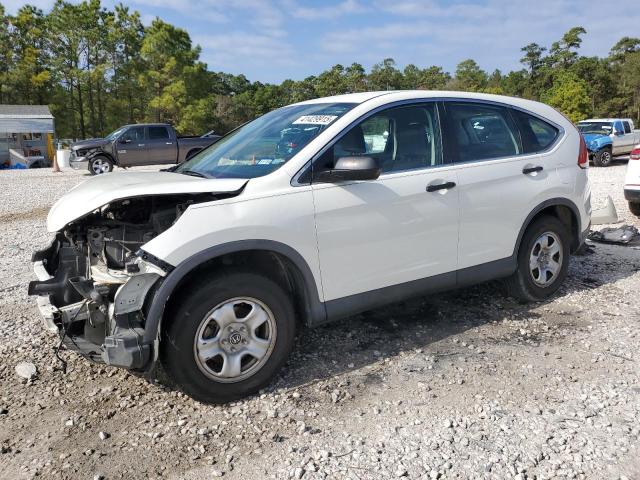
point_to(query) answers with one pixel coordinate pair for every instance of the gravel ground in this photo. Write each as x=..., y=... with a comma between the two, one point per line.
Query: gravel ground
x=467, y=384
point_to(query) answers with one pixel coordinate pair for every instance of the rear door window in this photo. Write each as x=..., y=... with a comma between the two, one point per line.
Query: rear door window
x=536, y=134
x=627, y=127
x=158, y=133
x=481, y=131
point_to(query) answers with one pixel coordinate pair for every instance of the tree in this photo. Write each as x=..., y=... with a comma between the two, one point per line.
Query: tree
x=30, y=77
x=564, y=52
x=355, y=78
x=533, y=57
x=385, y=76
x=331, y=82
x=569, y=94
x=6, y=57
x=469, y=77
x=433, y=78
x=125, y=42
x=167, y=53
x=624, y=47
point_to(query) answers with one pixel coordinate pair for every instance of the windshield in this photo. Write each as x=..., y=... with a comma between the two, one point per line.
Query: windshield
x=265, y=144
x=115, y=133
x=601, y=128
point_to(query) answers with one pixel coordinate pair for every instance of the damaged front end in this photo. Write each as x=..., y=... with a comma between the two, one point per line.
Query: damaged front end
x=94, y=282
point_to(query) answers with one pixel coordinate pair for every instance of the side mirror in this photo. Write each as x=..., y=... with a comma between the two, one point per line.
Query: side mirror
x=351, y=168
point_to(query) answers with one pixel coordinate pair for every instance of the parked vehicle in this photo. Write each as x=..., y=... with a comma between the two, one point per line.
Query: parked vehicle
x=134, y=145
x=608, y=137
x=632, y=182
x=212, y=267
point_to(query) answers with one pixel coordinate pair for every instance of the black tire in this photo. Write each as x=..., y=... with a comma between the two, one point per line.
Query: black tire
x=522, y=285
x=100, y=164
x=635, y=208
x=177, y=347
x=603, y=158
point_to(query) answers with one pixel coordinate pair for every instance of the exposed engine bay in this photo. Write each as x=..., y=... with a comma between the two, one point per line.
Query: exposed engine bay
x=93, y=281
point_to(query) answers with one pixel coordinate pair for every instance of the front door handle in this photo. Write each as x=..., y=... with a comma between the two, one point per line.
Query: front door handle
x=528, y=170
x=169, y=143
x=141, y=144
x=440, y=186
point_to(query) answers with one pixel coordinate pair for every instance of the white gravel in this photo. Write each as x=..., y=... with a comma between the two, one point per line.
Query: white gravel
x=467, y=384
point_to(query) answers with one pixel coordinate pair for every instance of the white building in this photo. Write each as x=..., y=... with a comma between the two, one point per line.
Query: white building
x=26, y=135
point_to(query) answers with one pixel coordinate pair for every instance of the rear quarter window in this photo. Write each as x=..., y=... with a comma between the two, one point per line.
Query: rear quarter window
x=536, y=134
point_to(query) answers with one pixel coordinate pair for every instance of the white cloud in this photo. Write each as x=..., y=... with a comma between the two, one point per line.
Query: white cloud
x=345, y=7
x=233, y=51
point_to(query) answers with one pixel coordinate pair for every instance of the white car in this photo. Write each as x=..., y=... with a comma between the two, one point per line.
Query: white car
x=632, y=182
x=212, y=267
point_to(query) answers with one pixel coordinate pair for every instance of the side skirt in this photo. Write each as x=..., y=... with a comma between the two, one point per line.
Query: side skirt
x=361, y=302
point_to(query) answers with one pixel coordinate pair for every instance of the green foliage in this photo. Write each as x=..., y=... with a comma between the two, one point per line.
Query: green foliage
x=569, y=94
x=469, y=77
x=100, y=68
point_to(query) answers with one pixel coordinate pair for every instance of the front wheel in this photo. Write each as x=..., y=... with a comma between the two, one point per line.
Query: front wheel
x=603, y=158
x=543, y=261
x=228, y=337
x=100, y=164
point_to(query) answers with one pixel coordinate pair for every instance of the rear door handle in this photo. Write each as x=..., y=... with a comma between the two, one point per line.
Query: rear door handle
x=528, y=170
x=440, y=186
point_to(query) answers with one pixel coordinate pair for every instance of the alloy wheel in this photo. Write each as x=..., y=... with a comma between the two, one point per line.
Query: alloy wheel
x=235, y=339
x=100, y=166
x=545, y=259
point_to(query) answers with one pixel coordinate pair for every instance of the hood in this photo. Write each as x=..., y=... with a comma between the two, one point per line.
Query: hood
x=91, y=142
x=103, y=189
x=590, y=137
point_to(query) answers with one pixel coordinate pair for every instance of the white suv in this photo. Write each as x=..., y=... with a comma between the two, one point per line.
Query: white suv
x=311, y=213
x=632, y=181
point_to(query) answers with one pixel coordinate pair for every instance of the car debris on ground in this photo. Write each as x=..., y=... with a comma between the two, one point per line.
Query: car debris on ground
x=605, y=215
x=621, y=235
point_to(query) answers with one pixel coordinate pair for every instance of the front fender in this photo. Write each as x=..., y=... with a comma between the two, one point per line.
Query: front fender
x=99, y=151
x=600, y=144
x=162, y=295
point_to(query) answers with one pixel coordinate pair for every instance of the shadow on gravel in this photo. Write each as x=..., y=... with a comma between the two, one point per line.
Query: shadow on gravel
x=364, y=339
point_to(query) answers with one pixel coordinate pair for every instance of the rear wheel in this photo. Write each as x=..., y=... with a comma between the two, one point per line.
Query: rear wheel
x=603, y=157
x=228, y=337
x=100, y=164
x=635, y=208
x=543, y=260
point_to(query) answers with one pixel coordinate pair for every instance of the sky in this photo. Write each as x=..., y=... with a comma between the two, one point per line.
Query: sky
x=272, y=40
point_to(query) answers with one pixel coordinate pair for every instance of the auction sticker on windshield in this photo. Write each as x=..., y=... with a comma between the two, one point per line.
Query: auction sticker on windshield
x=315, y=119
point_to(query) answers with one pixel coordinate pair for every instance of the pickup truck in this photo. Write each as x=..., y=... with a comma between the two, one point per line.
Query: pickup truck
x=608, y=137
x=133, y=145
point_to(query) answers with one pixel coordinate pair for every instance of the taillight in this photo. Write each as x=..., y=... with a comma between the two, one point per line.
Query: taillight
x=635, y=154
x=583, y=156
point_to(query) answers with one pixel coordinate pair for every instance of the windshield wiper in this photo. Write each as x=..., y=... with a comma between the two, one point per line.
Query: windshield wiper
x=193, y=173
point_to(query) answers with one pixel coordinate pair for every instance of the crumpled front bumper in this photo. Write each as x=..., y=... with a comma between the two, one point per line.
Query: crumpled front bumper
x=109, y=330
x=48, y=311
